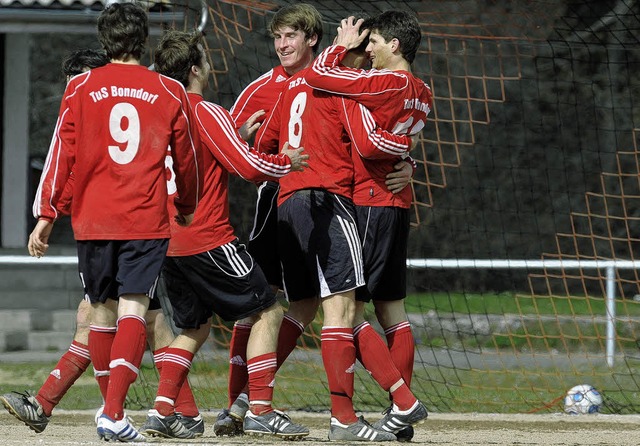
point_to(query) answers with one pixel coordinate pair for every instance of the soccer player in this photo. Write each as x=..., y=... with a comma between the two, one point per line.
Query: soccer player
x=114, y=126
x=207, y=270
x=35, y=411
x=399, y=101
x=316, y=224
x=297, y=31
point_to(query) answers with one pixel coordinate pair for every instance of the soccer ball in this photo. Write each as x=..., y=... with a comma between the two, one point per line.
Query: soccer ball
x=582, y=399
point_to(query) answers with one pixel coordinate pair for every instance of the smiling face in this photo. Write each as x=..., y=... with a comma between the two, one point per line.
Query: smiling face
x=380, y=52
x=294, y=50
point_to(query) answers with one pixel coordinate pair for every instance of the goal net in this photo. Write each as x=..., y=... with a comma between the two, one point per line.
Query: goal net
x=531, y=154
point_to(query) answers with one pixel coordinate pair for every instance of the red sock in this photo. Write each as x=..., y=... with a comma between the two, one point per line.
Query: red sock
x=69, y=368
x=238, y=376
x=290, y=331
x=100, y=343
x=175, y=368
x=339, y=357
x=185, y=403
x=376, y=358
x=126, y=357
x=262, y=372
x=402, y=348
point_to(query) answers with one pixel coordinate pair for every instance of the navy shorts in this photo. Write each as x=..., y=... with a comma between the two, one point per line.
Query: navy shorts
x=225, y=281
x=384, y=232
x=263, y=240
x=112, y=268
x=321, y=253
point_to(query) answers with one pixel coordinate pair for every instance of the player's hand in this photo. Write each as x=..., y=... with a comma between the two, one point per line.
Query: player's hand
x=39, y=238
x=298, y=159
x=349, y=35
x=183, y=220
x=400, y=177
x=250, y=127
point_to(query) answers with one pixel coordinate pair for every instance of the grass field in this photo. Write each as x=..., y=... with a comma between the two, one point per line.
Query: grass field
x=513, y=371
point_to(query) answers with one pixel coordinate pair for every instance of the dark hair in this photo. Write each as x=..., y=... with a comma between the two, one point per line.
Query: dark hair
x=401, y=25
x=300, y=16
x=81, y=60
x=123, y=29
x=176, y=53
x=367, y=24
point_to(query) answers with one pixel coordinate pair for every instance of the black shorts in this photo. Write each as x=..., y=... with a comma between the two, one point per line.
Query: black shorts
x=384, y=232
x=321, y=253
x=111, y=268
x=263, y=240
x=225, y=281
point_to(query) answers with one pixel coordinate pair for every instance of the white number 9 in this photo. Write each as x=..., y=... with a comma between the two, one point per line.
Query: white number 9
x=129, y=135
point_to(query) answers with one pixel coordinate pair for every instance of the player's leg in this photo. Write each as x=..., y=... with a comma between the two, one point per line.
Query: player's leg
x=162, y=420
x=263, y=246
x=35, y=411
x=71, y=365
x=192, y=317
x=384, y=231
x=159, y=337
x=138, y=264
x=298, y=316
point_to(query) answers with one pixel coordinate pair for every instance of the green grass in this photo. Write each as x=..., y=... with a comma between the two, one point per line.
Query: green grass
x=509, y=384
x=503, y=303
x=302, y=385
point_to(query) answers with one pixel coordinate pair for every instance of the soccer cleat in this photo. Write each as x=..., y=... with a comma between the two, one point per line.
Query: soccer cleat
x=405, y=435
x=194, y=424
x=239, y=408
x=394, y=421
x=226, y=425
x=274, y=423
x=361, y=430
x=168, y=426
x=118, y=430
x=27, y=409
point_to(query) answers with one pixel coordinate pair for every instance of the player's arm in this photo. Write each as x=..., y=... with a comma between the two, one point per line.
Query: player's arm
x=227, y=146
x=187, y=162
x=367, y=137
x=58, y=164
x=57, y=168
x=366, y=86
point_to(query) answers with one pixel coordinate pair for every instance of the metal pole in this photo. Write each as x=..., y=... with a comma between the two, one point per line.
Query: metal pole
x=611, y=314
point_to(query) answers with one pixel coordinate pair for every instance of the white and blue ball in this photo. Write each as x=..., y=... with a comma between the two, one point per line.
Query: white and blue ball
x=582, y=400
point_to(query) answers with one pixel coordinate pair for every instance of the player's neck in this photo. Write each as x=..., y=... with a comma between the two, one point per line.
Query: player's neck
x=293, y=70
x=130, y=60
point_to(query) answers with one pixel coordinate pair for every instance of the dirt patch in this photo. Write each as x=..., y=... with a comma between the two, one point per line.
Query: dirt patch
x=77, y=427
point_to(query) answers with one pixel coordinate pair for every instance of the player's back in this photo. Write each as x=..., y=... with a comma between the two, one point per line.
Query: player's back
x=310, y=118
x=123, y=118
x=401, y=112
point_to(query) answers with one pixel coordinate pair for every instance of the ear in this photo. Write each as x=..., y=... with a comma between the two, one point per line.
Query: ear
x=394, y=45
x=195, y=70
x=312, y=40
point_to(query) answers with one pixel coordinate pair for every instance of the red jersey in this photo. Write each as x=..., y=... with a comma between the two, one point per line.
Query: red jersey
x=399, y=102
x=114, y=127
x=224, y=151
x=324, y=125
x=261, y=94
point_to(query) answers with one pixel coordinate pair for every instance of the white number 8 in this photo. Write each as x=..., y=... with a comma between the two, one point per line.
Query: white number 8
x=129, y=136
x=298, y=105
